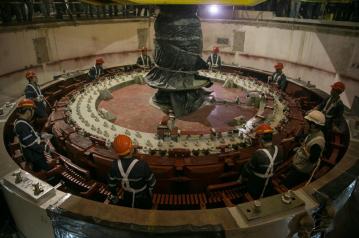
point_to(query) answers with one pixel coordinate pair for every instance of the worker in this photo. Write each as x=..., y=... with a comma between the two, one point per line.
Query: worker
x=306, y=160
x=30, y=142
x=301, y=224
x=333, y=109
x=259, y=170
x=33, y=92
x=135, y=176
x=279, y=77
x=144, y=61
x=324, y=215
x=214, y=60
x=96, y=70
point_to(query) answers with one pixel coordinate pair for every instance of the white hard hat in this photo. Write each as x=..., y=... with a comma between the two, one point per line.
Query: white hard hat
x=317, y=117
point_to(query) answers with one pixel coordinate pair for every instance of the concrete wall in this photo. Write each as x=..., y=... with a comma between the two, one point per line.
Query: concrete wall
x=69, y=48
x=319, y=55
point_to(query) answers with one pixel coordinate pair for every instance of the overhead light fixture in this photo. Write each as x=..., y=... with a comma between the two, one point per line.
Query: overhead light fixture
x=213, y=9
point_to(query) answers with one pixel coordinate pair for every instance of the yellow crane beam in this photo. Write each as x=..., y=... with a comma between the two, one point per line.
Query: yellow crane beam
x=178, y=2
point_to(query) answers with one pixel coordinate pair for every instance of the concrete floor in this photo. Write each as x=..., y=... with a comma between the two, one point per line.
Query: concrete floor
x=146, y=117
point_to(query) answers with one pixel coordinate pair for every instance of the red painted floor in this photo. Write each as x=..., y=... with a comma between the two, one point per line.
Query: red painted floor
x=133, y=110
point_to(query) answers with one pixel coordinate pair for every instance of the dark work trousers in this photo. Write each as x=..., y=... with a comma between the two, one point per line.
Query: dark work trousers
x=36, y=158
x=142, y=200
x=255, y=186
x=294, y=177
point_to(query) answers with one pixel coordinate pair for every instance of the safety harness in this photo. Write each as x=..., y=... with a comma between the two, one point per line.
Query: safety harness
x=269, y=172
x=314, y=170
x=38, y=93
x=212, y=63
x=329, y=106
x=277, y=77
x=125, y=182
x=98, y=72
x=316, y=140
x=144, y=61
x=36, y=89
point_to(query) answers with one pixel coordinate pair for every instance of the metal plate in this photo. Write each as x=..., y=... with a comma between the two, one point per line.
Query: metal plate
x=25, y=188
x=270, y=206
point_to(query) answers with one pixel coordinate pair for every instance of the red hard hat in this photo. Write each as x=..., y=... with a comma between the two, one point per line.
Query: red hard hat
x=122, y=144
x=279, y=66
x=338, y=86
x=99, y=60
x=215, y=49
x=26, y=103
x=264, y=129
x=143, y=49
x=29, y=74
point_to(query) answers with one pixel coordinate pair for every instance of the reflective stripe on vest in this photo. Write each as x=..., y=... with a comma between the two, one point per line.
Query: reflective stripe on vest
x=125, y=182
x=97, y=72
x=269, y=171
x=329, y=107
x=277, y=77
x=143, y=61
x=301, y=158
x=37, y=91
x=37, y=140
x=314, y=170
x=317, y=139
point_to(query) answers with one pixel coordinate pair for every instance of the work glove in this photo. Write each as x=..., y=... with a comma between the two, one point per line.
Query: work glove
x=39, y=98
x=113, y=199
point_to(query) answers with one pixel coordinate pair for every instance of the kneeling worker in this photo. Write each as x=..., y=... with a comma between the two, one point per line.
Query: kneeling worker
x=30, y=142
x=259, y=170
x=135, y=176
x=307, y=158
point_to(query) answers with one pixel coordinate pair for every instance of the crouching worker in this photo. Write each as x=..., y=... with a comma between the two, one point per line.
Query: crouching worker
x=259, y=170
x=307, y=158
x=135, y=176
x=31, y=145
